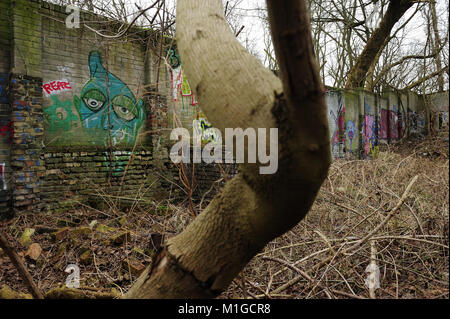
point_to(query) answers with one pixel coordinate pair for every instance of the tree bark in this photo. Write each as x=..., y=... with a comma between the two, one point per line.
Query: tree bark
x=437, y=45
x=358, y=72
x=235, y=90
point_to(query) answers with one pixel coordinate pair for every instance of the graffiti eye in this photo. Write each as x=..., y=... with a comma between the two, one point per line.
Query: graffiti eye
x=94, y=99
x=124, y=107
x=93, y=103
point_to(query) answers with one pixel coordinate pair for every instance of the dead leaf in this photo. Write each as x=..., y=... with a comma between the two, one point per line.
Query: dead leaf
x=34, y=251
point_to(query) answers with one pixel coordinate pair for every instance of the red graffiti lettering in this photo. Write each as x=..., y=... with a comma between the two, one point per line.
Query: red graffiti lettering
x=56, y=87
x=47, y=88
x=7, y=131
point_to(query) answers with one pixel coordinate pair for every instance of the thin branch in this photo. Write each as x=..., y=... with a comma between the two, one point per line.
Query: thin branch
x=23, y=272
x=121, y=33
x=427, y=77
x=311, y=280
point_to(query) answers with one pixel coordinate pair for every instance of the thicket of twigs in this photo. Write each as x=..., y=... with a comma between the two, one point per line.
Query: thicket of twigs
x=368, y=212
x=322, y=256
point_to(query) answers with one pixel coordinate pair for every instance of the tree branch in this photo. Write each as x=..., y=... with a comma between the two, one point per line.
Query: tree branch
x=427, y=77
x=234, y=90
x=123, y=32
x=394, y=12
x=23, y=272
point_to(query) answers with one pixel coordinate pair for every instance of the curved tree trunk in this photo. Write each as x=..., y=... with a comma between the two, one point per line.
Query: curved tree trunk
x=357, y=75
x=235, y=90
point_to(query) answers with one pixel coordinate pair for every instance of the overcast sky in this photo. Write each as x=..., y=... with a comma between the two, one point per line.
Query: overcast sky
x=414, y=32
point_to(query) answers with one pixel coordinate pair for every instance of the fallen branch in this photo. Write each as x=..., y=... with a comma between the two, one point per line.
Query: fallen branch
x=23, y=272
x=359, y=243
x=7, y=293
x=307, y=277
x=83, y=293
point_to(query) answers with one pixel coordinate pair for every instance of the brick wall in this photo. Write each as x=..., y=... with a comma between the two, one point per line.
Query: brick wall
x=26, y=146
x=5, y=108
x=97, y=178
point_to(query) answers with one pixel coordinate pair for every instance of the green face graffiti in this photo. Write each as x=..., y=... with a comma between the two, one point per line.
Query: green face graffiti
x=107, y=104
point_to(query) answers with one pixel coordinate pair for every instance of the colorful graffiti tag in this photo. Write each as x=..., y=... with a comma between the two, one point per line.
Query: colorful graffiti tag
x=56, y=87
x=388, y=124
x=60, y=116
x=393, y=124
x=173, y=57
x=2, y=176
x=350, y=129
x=336, y=121
x=189, y=111
x=369, y=135
x=369, y=131
x=383, y=125
x=178, y=80
x=107, y=112
x=7, y=131
x=181, y=87
x=207, y=131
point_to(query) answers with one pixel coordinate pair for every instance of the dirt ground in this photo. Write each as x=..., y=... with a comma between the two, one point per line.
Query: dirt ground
x=327, y=255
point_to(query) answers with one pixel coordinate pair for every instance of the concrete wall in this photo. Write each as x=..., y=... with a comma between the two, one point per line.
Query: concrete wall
x=439, y=105
x=361, y=121
x=6, y=129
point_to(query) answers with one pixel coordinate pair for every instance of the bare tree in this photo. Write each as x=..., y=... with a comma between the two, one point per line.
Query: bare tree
x=235, y=90
x=344, y=34
x=357, y=74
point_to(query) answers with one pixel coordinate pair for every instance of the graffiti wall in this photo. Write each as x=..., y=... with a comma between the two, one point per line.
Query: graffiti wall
x=439, y=104
x=352, y=131
x=336, y=122
x=394, y=116
x=369, y=134
x=383, y=121
x=104, y=112
x=6, y=135
x=360, y=121
x=343, y=120
x=73, y=111
x=6, y=125
x=185, y=105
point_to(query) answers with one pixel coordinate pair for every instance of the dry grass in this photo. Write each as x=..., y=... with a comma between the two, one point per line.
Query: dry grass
x=411, y=250
x=319, y=258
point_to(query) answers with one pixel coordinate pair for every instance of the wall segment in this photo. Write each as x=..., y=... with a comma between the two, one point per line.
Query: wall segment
x=86, y=120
